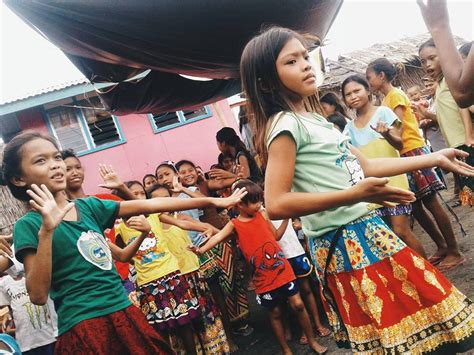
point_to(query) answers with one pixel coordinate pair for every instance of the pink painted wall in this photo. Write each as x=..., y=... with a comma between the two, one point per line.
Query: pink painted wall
x=144, y=150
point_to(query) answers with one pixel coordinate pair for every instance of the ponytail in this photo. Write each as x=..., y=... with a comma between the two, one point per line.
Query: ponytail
x=383, y=65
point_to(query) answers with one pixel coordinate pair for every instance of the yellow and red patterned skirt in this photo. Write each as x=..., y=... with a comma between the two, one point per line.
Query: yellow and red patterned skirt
x=388, y=298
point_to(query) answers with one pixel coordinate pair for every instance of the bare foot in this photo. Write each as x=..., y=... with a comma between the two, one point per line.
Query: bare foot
x=440, y=253
x=318, y=348
x=322, y=331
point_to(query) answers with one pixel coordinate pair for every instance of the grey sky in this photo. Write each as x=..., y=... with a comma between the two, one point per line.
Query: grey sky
x=28, y=62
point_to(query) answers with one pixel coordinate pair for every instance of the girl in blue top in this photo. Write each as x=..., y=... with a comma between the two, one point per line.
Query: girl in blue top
x=376, y=133
x=65, y=254
x=380, y=295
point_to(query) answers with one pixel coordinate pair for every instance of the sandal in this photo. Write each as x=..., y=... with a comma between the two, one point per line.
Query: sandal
x=245, y=330
x=451, y=266
x=435, y=259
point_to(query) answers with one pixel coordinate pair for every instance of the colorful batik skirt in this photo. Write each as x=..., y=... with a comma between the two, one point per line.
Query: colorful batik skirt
x=423, y=182
x=211, y=336
x=208, y=266
x=388, y=298
x=466, y=184
x=398, y=210
x=168, y=302
x=121, y=332
x=231, y=282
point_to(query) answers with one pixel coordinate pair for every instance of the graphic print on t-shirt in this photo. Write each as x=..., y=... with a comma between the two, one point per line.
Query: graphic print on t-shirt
x=95, y=250
x=149, y=250
x=269, y=262
x=354, y=168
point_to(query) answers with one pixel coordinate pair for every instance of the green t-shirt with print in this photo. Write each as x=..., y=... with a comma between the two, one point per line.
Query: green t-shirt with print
x=323, y=163
x=84, y=281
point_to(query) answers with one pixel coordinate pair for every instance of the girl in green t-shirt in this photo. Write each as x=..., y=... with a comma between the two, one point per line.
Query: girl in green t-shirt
x=65, y=254
x=380, y=295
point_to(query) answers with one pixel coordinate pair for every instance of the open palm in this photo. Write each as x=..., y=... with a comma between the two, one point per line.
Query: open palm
x=109, y=176
x=452, y=160
x=42, y=200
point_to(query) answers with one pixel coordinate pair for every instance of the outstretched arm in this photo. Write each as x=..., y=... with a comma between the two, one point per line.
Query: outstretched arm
x=171, y=204
x=459, y=75
x=189, y=224
x=282, y=203
x=225, y=233
x=447, y=159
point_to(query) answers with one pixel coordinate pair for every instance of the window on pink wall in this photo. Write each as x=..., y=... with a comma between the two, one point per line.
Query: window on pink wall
x=84, y=126
x=164, y=121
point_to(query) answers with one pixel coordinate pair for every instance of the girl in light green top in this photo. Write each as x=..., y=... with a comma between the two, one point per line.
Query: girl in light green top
x=381, y=296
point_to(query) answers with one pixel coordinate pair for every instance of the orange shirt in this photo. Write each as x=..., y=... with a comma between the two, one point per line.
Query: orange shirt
x=411, y=136
x=270, y=268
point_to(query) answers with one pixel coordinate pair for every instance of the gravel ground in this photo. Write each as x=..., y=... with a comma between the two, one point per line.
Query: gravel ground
x=262, y=341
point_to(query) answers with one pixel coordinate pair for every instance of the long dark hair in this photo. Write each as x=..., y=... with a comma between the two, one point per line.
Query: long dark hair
x=228, y=136
x=12, y=157
x=334, y=100
x=383, y=65
x=265, y=93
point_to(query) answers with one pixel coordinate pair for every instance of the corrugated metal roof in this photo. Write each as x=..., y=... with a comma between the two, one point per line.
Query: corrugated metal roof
x=45, y=90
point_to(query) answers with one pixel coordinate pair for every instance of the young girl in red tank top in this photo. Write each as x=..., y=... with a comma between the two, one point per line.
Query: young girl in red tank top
x=273, y=276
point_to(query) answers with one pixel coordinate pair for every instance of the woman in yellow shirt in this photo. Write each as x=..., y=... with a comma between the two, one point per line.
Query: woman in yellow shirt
x=425, y=182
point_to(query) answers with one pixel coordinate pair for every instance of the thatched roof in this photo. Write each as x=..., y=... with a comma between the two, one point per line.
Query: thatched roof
x=10, y=208
x=403, y=51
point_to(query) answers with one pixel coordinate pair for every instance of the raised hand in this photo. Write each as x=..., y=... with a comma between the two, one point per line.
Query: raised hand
x=177, y=186
x=232, y=200
x=111, y=179
x=435, y=13
x=450, y=159
x=382, y=128
x=239, y=171
x=195, y=249
x=139, y=223
x=42, y=200
x=220, y=174
x=375, y=190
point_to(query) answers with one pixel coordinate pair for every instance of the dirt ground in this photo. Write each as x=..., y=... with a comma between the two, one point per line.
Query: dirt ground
x=262, y=341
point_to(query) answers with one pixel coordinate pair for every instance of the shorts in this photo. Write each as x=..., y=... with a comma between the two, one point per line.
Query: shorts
x=272, y=298
x=301, y=265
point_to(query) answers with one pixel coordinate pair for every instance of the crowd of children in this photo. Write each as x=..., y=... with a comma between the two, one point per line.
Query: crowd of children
x=155, y=265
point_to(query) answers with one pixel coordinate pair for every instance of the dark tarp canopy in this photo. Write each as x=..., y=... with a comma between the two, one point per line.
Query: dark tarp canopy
x=112, y=41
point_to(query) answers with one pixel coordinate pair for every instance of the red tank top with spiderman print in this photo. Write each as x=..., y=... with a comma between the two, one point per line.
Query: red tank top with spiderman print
x=270, y=268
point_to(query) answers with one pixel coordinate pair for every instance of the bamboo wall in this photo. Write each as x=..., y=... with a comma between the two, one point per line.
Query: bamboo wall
x=10, y=210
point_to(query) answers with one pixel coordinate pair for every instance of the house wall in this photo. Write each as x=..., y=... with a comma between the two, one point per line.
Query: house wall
x=143, y=149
